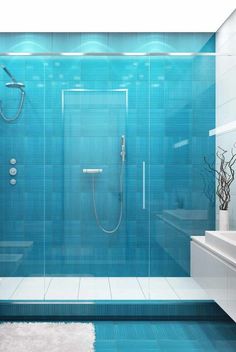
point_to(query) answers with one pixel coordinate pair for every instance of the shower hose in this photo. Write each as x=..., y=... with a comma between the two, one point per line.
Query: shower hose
x=121, y=185
x=14, y=118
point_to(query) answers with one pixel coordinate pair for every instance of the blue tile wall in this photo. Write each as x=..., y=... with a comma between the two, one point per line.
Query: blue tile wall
x=171, y=108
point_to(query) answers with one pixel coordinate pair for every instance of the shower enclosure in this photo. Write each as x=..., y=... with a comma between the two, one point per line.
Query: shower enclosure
x=110, y=179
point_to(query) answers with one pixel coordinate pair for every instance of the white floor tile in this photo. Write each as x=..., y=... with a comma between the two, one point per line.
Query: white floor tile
x=31, y=288
x=187, y=288
x=63, y=288
x=123, y=288
x=192, y=294
x=157, y=288
x=8, y=286
x=185, y=283
x=94, y=288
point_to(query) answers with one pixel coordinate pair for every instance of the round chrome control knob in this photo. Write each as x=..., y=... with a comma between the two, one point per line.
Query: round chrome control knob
x=12, y=171
x=12, y=181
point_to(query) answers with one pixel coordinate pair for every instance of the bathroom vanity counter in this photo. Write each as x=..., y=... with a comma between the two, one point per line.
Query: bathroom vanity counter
x=217, y=246
x=215, y=270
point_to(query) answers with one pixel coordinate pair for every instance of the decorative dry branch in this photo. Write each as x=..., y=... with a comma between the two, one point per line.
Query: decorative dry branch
x=224, y=176
x=208, y=186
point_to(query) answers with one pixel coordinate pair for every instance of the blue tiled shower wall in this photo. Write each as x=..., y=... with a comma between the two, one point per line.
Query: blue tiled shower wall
x=164, y=105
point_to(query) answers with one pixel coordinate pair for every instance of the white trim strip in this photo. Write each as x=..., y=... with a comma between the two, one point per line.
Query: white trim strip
x=144, y=185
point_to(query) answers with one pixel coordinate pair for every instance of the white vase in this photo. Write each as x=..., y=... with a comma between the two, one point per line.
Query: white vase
x=223, y=220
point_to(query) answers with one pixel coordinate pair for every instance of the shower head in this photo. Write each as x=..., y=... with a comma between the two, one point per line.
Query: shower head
x=15, y=85
x=8, y=73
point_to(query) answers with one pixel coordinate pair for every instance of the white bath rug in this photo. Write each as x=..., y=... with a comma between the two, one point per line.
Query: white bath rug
x=47, y=337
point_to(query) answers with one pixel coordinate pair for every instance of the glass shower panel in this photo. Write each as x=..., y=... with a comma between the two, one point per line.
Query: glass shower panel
x=182, y=191
x=22, y=179
x=97, y=151
x=94, y=178
x=225, y=127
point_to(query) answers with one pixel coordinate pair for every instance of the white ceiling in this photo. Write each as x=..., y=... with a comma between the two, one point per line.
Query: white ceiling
x=114, y=15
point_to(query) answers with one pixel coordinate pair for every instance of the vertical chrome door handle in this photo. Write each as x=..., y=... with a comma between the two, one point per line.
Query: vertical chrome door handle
x=144, y=185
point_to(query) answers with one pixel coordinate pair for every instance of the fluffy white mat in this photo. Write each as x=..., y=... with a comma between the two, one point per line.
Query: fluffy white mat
x=47, y=337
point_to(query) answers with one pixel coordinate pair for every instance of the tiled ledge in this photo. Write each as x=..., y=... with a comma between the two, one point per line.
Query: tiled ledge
x=97, y=298
x=100, y=288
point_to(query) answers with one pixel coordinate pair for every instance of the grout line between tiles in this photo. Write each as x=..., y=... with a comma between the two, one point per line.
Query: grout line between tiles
x=17, y=286
x=173, y=288
x=109, y=283
x=78, y=287
x=142, y=289
x=46, y=290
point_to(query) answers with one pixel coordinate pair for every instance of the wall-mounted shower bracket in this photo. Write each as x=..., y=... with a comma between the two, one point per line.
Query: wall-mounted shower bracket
x=123, y=152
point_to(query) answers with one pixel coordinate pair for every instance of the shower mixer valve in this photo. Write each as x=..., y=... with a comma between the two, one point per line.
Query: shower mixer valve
x=12, y=171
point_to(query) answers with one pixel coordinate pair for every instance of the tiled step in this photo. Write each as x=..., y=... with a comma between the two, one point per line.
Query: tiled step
x=112, y=310
x=102, y=288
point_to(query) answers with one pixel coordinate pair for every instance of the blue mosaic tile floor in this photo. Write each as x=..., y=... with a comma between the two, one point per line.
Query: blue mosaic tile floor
x=165, y=336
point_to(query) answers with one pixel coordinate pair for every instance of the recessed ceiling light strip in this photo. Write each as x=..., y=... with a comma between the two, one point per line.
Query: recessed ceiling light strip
x=112, y=54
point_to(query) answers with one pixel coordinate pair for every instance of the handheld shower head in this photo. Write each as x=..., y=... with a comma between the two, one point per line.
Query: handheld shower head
x=14, y=83
x=8, y=73
x=17, y=85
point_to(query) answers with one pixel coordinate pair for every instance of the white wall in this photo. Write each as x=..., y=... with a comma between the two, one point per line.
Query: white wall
x=226, y=94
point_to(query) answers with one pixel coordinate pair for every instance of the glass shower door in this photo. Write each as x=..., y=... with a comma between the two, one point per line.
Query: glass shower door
x=97, y=240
